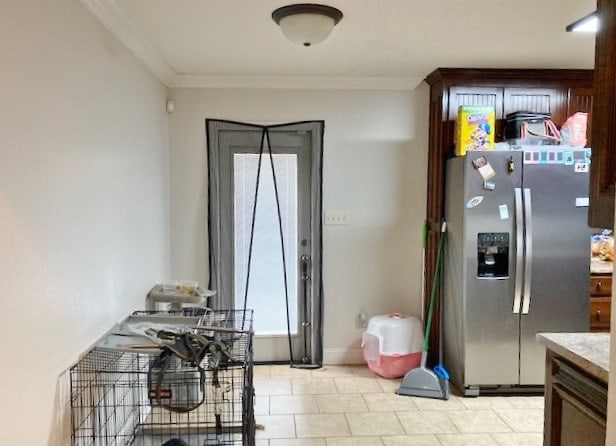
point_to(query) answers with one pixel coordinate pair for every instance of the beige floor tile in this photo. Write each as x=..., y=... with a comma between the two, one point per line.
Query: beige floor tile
x=314, y=386
x=374, y=423
x=276, y=426
x=518, y=439
x=286, y=371
x=272, y=386
x=477, y=421
x=522, y=420
x=331, y=371
x=411, y=440
x=357, y=385
x=526, y=402
x=261, y=371
x=261, y=405
x=362, y=370
x=487, y=402
x=389, y=385
x=388, y=402
x=338, y=403
x=322, y=425
x=467, y=440
x=293, y=404
x=298, y=442
x=453, y=403
x=350, y=405
x=355, y=441
x=430, y=422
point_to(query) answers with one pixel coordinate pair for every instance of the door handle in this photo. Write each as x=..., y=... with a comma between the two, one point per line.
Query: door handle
x=528, y=266
x=519, y=250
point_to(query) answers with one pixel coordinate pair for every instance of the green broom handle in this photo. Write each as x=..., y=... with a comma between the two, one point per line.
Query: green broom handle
x=435, y=279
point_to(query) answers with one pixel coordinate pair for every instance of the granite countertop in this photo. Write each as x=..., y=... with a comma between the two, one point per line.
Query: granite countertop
x=589, y=351
x=598, y=266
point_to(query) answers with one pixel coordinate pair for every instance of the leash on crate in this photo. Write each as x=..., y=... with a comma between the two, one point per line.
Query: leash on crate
x=189, y=348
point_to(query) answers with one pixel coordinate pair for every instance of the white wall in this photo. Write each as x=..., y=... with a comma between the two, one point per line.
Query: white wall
x=84, y=203
x=375, y=153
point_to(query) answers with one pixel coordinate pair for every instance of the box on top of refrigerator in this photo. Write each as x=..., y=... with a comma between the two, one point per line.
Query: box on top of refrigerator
x=474, y=129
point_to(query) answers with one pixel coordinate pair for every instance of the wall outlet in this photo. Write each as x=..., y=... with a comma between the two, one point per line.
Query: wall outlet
x=337, y=217
x=362, y=319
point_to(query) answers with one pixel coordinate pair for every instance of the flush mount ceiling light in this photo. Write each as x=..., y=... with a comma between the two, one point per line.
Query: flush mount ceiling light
x=588, y=24
x=306, y=23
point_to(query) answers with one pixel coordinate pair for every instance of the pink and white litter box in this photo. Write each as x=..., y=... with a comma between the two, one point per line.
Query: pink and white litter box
x=392, y=344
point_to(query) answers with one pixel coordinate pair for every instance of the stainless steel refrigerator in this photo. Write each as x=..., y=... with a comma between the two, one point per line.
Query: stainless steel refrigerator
x=517, y=263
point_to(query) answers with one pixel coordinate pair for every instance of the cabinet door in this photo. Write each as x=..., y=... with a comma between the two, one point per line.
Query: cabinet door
x=476, y=96
x=603, y=171
x=578, y=428
x=539, y=100
x=600, y=311
x=575, y=405
x=581, y=100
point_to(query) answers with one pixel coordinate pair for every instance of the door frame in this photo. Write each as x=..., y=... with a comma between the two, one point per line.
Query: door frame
x=218, y=277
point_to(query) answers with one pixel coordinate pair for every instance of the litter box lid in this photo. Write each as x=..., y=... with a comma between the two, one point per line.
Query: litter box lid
x=398, y=334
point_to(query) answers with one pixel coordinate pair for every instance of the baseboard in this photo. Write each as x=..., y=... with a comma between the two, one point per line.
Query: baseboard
x=340, y=356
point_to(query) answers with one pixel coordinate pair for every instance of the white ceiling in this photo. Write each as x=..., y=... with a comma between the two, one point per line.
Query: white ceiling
x=378, y=43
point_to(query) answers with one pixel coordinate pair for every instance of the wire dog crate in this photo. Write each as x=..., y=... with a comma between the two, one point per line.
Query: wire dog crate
x=123, y=393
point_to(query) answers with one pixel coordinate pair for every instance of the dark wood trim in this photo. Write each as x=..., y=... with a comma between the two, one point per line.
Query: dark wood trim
x=497, y=77
x=603, y=172
x=552, y=414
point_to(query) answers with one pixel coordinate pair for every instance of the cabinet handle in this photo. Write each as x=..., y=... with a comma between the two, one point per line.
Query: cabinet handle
x=598, y=314
x=599, y=286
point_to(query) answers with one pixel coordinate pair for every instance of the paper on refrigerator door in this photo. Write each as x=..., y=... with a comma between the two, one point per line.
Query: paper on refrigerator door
x=503, y=211
x=485, y=169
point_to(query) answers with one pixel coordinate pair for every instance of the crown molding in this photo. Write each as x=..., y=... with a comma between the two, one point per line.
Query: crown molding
x=118, y=24
x=111, y=16
x=296, y=82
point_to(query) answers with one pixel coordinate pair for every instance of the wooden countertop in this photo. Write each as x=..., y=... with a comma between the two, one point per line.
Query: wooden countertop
x=589, y=351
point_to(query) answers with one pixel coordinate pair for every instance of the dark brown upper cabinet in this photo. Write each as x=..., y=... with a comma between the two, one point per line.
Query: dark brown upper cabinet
x=603, y=172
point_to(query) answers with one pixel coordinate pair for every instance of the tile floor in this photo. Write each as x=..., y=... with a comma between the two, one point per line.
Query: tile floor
x=349, y=405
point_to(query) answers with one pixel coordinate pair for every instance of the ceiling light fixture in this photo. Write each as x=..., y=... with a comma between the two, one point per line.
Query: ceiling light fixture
x=306, y=23
x=588, y=24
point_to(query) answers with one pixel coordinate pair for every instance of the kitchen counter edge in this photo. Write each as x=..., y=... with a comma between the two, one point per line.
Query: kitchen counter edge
x=589, y=351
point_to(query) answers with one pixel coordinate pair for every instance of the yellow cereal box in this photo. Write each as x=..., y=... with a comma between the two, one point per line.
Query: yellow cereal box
x=474, y=129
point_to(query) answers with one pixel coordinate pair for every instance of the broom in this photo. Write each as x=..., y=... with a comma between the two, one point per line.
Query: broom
x=422, y=381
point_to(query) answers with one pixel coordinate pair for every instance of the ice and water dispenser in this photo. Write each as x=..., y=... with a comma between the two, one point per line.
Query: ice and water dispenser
x=492, y=255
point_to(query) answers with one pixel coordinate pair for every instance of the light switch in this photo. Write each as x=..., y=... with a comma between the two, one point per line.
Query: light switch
x=337, y=217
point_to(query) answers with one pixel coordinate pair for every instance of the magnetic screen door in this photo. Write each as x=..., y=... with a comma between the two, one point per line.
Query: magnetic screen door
x=265, y=232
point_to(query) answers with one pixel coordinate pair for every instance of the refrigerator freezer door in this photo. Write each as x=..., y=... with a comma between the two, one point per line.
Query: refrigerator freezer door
x=491, y=328
x=558, y=300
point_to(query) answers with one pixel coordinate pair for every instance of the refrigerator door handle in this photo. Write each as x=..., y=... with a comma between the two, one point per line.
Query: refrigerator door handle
x=528, y=216
x=519, y=250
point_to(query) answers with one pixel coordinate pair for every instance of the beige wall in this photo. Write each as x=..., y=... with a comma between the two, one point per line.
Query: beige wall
x=84, y=200
x=84, y=230
x=374, y=166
